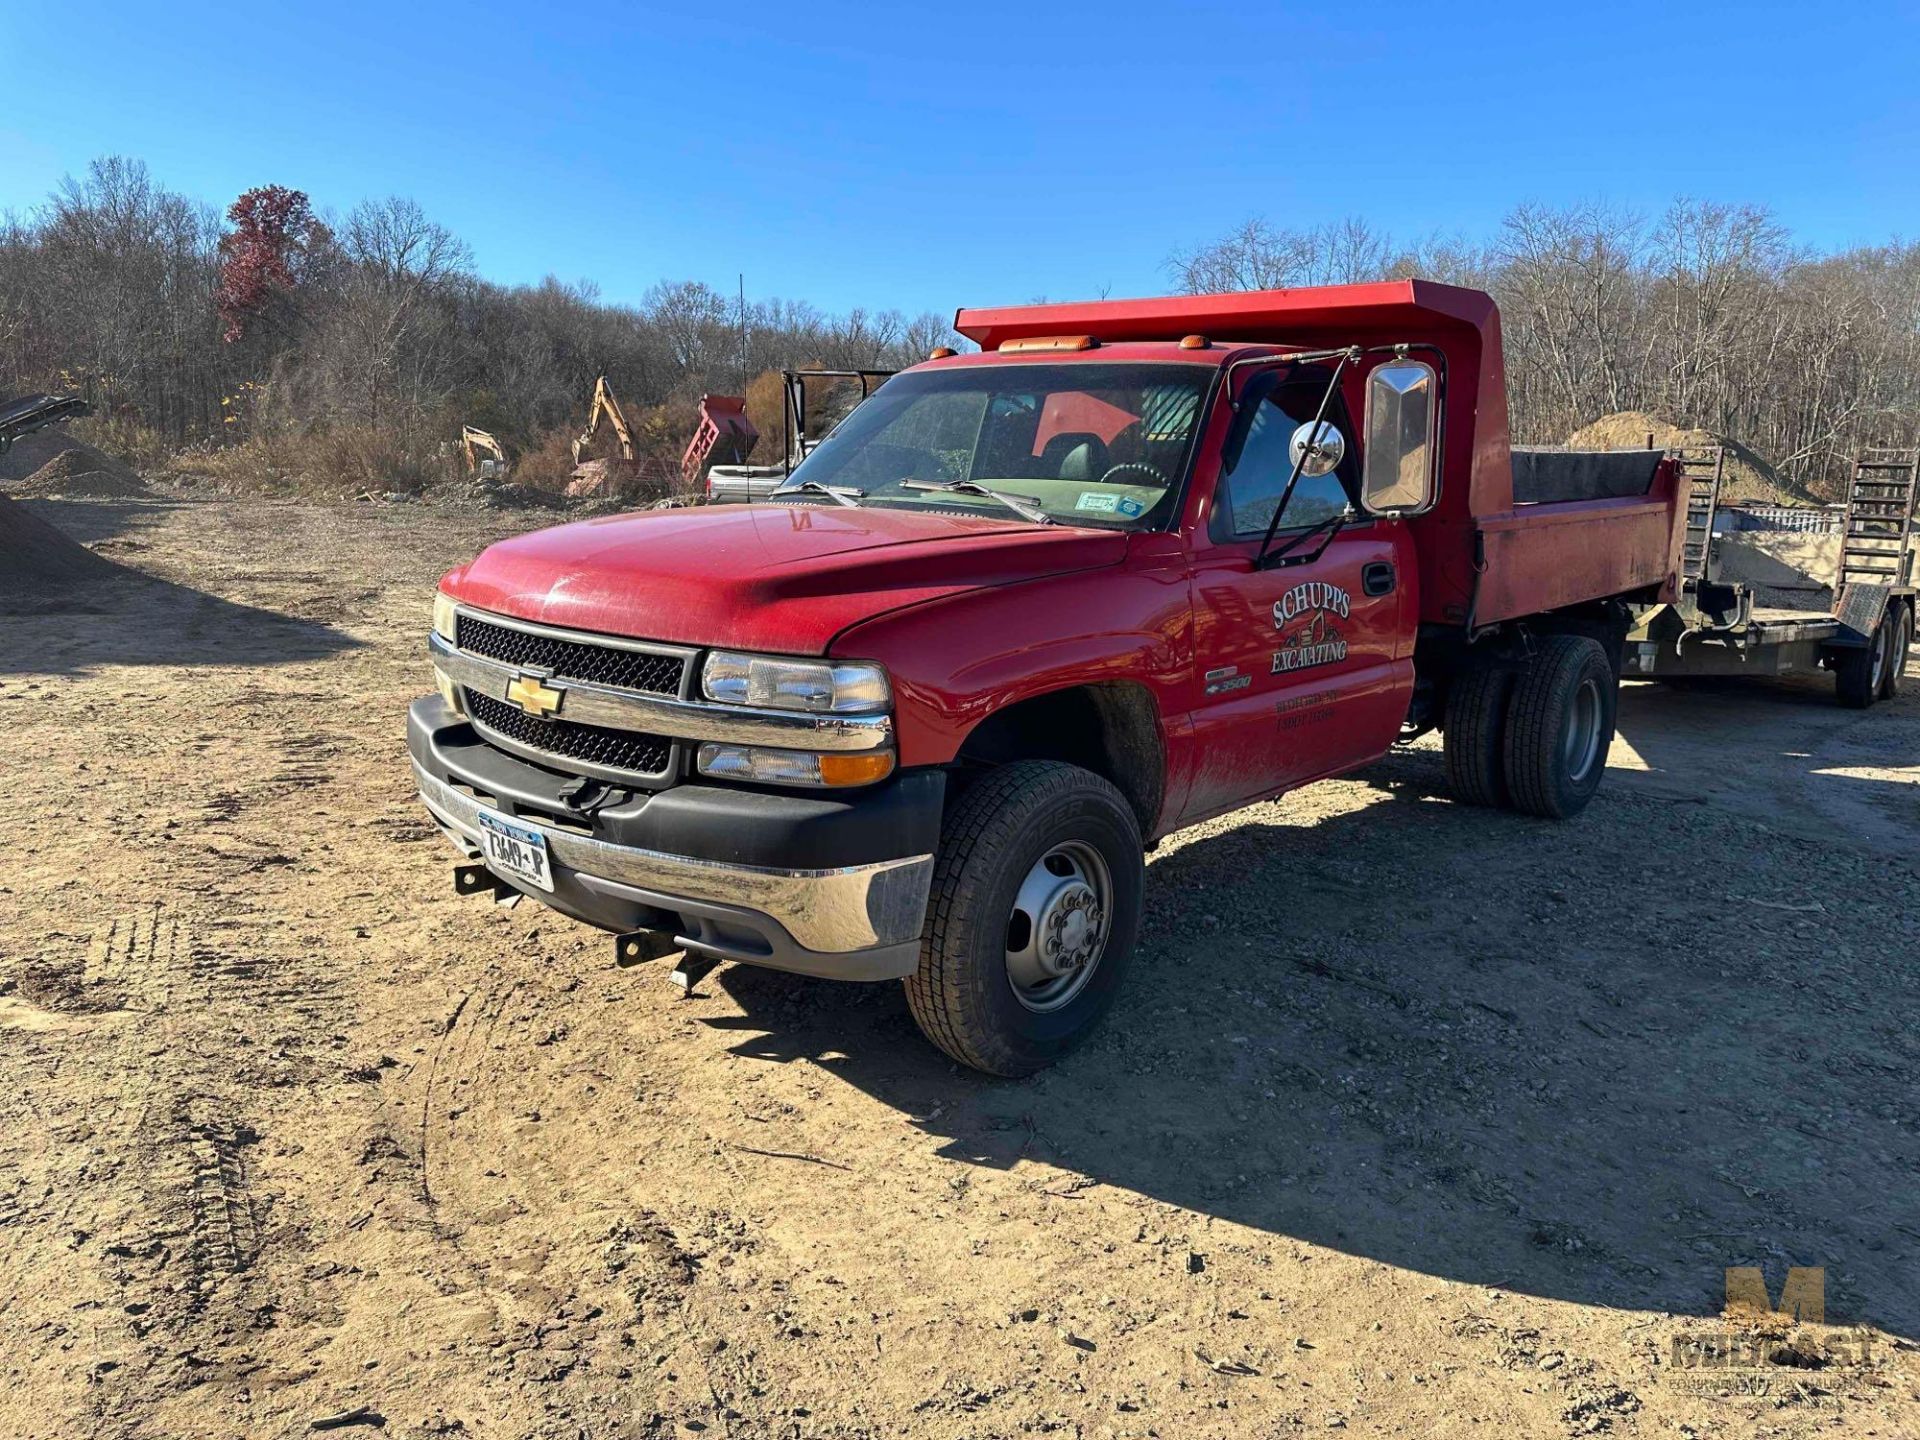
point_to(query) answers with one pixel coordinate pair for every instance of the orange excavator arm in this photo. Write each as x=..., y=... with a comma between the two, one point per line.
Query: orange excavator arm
x=477, y=442
x=604, y=404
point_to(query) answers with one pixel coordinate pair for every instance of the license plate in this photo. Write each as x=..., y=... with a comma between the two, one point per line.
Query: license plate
x=516, y=850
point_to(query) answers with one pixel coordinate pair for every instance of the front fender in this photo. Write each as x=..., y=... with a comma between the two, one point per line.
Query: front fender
x=957, y=661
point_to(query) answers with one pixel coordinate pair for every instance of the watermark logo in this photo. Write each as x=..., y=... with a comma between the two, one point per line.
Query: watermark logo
x=1803, y=1299
x=1752, y=1352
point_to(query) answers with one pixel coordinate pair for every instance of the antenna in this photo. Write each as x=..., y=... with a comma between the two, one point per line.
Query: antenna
x=743, y=332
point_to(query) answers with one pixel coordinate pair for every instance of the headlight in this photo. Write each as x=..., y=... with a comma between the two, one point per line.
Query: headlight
x=443, y=627
x=793, y=767
x=827, y=687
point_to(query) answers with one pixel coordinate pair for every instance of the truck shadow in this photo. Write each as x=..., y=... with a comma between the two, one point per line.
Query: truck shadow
x=1597, y=1061
x=129, y=617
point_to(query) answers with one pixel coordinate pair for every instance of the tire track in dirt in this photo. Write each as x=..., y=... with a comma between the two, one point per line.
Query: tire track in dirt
x=187, y=1121
x=124, y=979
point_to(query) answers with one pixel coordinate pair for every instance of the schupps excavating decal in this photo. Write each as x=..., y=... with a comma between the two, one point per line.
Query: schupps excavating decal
x=1304, y=616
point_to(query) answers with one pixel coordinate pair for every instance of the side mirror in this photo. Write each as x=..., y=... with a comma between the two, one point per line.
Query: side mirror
x=1320, y=456
x=1402, y=419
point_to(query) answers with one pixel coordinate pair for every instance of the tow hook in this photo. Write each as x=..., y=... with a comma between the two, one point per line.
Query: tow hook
x=636, y=947
x=691, y=970
x=479, y=880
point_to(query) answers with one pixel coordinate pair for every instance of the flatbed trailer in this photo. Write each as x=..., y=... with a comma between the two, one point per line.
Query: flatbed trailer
x=1715, y=629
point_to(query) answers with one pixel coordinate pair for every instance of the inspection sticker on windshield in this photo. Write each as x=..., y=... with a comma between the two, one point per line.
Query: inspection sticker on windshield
x=516, y=850
x=1093, y=500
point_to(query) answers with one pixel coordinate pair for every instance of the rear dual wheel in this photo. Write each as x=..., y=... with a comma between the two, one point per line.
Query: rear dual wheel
x=1533, y=738
x=1475, y=733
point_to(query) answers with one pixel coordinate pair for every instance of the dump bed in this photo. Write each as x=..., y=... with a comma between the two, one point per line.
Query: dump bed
x=1584, y=525
x=1510, y=535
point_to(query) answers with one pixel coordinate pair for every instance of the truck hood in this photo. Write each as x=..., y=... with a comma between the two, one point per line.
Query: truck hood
x=780, y=578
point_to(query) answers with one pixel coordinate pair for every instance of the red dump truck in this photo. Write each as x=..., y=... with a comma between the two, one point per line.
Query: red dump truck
x=1133, y=564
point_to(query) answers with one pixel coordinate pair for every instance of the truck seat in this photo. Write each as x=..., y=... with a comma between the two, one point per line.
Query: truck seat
x=1075, y=455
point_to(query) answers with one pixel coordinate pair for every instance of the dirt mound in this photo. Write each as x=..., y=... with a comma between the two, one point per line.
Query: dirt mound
x=487, y=495
x=82, y=472
x=1749, y=479
x=34, y=557
x=52, y=462
x=631, y=481
x=31, y=452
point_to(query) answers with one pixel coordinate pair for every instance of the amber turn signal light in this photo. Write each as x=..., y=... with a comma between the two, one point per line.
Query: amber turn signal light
x=1048, y=342
x=861, y=769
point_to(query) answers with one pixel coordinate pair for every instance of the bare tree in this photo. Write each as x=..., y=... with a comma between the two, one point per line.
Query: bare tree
x=1708, y=317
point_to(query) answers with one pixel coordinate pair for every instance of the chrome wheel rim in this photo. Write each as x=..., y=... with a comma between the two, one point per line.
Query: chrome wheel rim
x=1057, y=931
x=1880, y=649
x=1580, y=742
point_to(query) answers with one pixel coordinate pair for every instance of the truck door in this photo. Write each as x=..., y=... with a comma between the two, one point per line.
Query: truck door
x=1304, y=668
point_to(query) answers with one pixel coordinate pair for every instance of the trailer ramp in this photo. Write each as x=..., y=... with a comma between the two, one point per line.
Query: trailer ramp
x=1701, y=471
x=1878, y=548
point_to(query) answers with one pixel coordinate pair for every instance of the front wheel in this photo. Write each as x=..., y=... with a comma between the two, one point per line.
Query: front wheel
x=1032, y=920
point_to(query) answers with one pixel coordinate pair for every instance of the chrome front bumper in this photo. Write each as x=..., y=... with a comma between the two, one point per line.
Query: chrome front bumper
x=852, y=908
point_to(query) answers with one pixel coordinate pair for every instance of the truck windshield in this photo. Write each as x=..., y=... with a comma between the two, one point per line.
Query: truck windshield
x=1090, y=443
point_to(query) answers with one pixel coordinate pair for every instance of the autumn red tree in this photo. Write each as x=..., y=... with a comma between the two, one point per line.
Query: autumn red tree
x=275, y=240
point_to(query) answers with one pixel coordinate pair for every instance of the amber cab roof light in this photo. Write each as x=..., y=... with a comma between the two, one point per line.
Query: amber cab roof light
x=941, y=352
x=1194, y=342
x=1048, y=342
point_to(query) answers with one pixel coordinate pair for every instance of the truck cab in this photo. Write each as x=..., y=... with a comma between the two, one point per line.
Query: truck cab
x=919, y=713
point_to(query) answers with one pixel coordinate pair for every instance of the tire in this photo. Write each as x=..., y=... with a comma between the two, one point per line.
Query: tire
x=998, y=851
x=1856, y=684
x=1559, y=724
x=1896, y=671
x=1474, y=735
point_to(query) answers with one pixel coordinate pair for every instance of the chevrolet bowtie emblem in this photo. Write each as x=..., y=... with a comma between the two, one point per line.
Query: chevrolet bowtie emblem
x=534, y=695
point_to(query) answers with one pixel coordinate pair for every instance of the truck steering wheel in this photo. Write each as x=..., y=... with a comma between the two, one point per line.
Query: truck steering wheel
x=1156, y=478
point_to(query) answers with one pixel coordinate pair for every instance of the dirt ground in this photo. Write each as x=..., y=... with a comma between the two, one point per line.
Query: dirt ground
x=1413, y=1120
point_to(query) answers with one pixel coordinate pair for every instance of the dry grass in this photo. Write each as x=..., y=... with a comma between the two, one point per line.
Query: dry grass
x=548, y=464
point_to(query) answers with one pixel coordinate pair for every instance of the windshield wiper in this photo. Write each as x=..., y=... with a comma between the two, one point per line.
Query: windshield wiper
x=1019, y=504
x=840, y=494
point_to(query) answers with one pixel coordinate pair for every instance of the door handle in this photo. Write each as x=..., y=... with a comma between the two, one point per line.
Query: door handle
x=1377, y=578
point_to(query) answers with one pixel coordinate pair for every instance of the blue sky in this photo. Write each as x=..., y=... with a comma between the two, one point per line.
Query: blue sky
x=922, y=157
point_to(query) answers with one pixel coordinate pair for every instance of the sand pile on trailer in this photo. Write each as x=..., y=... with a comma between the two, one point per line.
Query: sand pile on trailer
x=35, y=557
x=1749, y=479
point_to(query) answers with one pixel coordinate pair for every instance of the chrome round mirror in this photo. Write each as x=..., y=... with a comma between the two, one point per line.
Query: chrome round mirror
x=1319, y=457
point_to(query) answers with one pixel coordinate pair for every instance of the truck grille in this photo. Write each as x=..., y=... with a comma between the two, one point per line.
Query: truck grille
x=571, y=659
x=625, y=751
